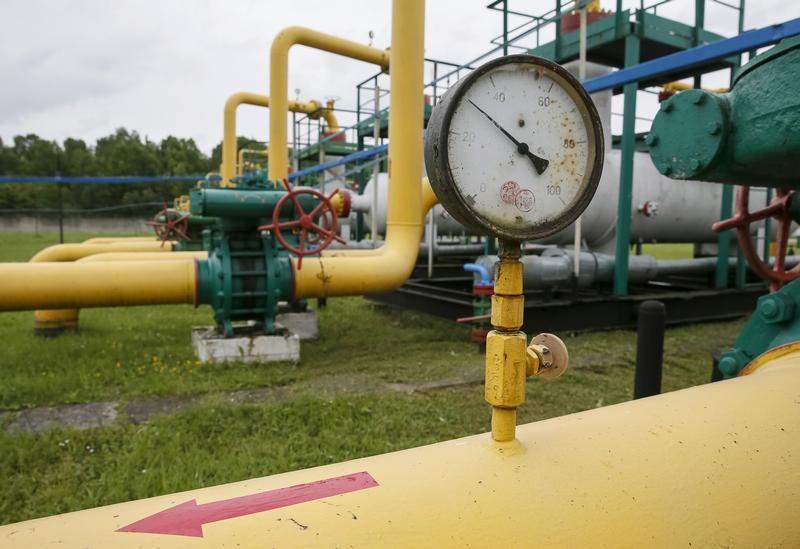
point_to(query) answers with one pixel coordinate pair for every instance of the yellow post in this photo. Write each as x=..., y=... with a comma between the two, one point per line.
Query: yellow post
x=279, y=82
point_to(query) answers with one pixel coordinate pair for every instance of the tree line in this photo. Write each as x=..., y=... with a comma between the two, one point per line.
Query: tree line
x=123, y=153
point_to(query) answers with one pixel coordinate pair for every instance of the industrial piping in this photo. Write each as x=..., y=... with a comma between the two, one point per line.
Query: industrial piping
x=228, y=168
x=607, y=477
x=52, y=321
x=279, y=83
x=389, y=266
x=95, y=284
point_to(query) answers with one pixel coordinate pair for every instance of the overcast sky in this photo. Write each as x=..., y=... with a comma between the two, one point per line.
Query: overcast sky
x=85, y=67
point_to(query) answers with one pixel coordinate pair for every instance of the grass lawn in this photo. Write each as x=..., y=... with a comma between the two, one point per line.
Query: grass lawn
x=142, y=352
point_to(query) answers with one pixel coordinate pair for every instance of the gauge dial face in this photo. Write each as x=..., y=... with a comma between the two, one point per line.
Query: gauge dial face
x=519, y=149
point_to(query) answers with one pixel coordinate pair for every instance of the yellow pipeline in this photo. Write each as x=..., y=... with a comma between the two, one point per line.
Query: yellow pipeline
x=73, y=285
x=279, y=82
x=714, y=465
x=357, y=274
x=56, y=319
x=312, y=108
x=61, y=319
x=242, y=153
x=73, y=252
x=116, y=239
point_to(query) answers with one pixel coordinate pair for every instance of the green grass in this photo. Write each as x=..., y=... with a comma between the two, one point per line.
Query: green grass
x=669, y=251
x=124, y=354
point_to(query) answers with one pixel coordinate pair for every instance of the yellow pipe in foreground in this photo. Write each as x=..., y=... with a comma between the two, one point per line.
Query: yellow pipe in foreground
x=279, y=83
x=228, y=168
x=73, y=285
x=714, y=465
x=356, y=274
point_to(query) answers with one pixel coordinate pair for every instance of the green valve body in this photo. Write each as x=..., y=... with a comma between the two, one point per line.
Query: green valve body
x=774, y=323
x=749, y=136
x=247, y=274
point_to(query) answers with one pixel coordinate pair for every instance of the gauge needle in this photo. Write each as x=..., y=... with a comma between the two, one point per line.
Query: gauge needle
x=539, y=163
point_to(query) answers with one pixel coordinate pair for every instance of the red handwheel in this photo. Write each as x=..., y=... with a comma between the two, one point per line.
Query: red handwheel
x=317, y=229
x=776, y=274
x=170, y=224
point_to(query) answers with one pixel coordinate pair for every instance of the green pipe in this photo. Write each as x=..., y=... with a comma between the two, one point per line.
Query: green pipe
x=626, y=171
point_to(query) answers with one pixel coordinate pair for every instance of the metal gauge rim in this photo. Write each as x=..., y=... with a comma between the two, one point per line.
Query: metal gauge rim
x=437, y=157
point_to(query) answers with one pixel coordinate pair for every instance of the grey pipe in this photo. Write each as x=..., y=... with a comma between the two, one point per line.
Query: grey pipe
x=553, y=268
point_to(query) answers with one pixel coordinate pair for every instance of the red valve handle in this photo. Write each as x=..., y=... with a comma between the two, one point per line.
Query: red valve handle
x=170, y=224
x=778, y=208
x=318, y=228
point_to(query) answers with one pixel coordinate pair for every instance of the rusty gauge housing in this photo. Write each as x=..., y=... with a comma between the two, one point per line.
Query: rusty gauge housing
x=515, y=148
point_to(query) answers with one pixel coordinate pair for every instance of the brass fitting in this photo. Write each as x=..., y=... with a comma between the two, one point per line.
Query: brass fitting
x=505, y=369
x=547, y=356
x=508, y=359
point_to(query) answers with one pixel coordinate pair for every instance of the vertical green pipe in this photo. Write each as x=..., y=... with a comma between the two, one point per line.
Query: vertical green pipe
x=699, y=24
x=505, y=27
x=619, y=21
x=626, y=172
x=724, y=239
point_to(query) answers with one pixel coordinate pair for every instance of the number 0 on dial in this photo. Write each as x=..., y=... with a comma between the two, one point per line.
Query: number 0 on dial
x=515, y=148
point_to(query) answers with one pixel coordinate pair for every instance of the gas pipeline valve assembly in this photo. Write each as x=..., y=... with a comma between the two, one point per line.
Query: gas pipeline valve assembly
x=515, y=149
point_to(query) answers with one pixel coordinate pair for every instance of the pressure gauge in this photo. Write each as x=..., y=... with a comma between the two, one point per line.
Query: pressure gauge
x=515, y=148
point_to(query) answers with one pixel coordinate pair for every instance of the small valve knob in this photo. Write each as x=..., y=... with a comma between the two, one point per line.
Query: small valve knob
x=547, y=357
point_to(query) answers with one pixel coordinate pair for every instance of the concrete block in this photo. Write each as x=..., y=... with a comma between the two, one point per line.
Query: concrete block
x=245, y=346
x=304, y=324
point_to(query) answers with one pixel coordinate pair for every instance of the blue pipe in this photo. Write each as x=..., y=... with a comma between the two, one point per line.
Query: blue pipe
x=698, y=55
x=353, y=157
x=482, y=271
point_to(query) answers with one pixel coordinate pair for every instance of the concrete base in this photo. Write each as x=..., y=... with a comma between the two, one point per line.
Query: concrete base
x=304, y=324
x=245, y=346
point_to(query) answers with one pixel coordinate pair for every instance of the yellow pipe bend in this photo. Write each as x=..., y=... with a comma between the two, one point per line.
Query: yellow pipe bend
x=429, y=200
x=713, y=465
x=390, y=266
x=279, y=83
x=228, y=168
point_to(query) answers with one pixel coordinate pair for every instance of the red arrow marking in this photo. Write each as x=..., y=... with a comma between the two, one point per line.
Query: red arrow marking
x=188, y=518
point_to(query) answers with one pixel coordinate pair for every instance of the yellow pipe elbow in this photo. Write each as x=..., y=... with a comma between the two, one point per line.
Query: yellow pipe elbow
x=429, y=200
x=387, y=268
x=279, y=82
